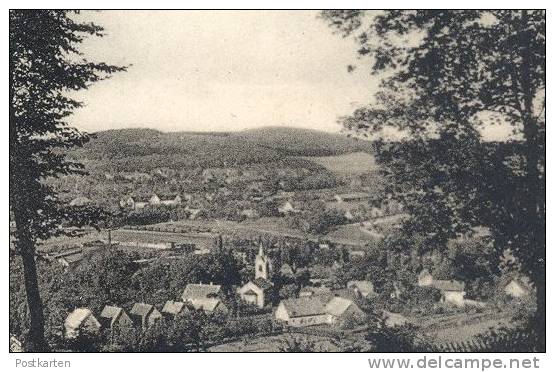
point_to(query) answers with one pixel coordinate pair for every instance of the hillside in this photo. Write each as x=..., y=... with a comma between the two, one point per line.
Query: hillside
x=146, y=149
x=303, y=142
x=345, y=164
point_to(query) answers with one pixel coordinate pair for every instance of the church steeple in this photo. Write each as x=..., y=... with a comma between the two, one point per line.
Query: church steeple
x=262, y=266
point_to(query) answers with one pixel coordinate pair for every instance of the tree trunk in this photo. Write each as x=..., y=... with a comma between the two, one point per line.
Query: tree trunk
x=35, y=340
x=535, y=198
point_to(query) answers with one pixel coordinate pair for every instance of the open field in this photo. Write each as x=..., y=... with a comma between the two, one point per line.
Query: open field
x=462, y=327
x=345, y=164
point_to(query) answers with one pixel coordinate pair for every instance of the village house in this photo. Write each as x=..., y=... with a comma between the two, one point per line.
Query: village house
x=288, y=208
x=341, y=310
x=134, y=203
x=171, y=201
x=172, y=308
x=314, y=310
x=393, y=319
x=80, y=321
x=362, y=288
x=16, y=346
x=258, y=291
x=206, y=297
x=249, y=213
x=516, y=287
x=452, y=291
x=144, y=315
x=114, y=317
x=425, y=279
x=302, y=311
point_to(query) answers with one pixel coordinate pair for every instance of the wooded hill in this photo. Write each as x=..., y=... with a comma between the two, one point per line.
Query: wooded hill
x=130, y=150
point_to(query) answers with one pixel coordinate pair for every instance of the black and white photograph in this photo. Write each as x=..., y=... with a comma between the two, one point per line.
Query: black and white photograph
x=277, y=181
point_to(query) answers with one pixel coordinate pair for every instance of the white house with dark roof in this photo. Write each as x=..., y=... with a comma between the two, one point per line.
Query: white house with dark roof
x=80, y=320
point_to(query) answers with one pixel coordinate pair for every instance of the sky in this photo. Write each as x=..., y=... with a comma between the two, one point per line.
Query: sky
x=221, y=70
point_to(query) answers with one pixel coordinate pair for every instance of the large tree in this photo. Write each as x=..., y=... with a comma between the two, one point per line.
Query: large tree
x=45, y=64
x=446, y=76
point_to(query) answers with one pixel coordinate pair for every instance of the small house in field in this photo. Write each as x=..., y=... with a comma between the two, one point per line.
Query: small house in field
x=80, y=321
x=452, y=291
x=288, y=208
x=114, y=317
x=144, y=315
x=249, y=213
x=173, y=308
x=154, y=200
x=517, y=287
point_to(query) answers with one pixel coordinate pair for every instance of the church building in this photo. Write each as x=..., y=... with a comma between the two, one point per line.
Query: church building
x=257, y=291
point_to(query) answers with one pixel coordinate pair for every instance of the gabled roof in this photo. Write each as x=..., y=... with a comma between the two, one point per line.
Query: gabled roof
x=337, y=306
x=304, y=306
x=77, y=317
x=173, y=307
x=110, y=312
x=448, y=285
x=197, y=291
x=321, y=290
x=206, y=304
x=262, y=283
x=141, y=309
x=365, y=287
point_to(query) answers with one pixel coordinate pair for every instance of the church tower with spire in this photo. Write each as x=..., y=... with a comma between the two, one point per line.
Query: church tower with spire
x=262, y=265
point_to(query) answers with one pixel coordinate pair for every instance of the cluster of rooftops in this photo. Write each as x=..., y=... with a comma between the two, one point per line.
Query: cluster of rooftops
x=206, y=297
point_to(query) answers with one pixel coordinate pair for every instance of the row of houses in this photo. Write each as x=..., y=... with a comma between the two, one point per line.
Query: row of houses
x=136, y=203
x=453, y=291
x=205, y=297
